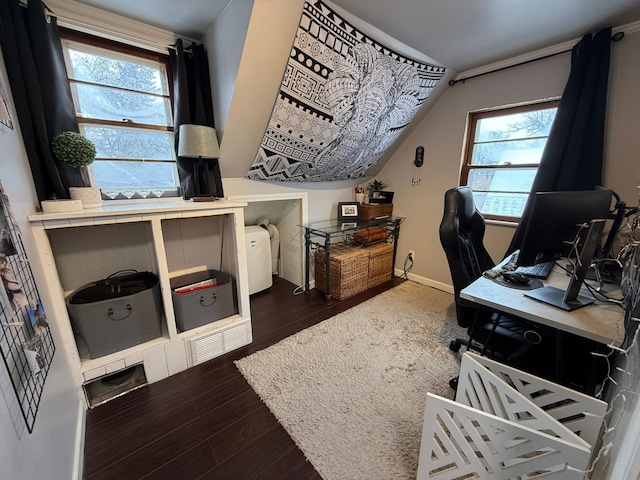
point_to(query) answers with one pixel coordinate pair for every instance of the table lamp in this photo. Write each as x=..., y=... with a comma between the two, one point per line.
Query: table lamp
x=201, y=142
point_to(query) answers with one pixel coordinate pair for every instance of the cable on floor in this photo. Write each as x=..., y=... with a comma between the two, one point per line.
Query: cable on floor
x=408, y=265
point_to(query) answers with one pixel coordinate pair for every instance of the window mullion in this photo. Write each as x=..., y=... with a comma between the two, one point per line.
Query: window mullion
x=503, y=166
x=135, y=160
x=507, y=140
x=115, y=87
x=509, y=192
x=114, y=123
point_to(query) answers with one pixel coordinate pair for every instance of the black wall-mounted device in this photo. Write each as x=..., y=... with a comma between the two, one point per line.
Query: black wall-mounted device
x=419, y=160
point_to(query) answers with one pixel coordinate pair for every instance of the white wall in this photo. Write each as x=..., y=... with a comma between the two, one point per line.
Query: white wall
x=268, y=43
x=225, y=41
x=50, y=451
x=322, y=205
x=442, y=132
x=623, y=128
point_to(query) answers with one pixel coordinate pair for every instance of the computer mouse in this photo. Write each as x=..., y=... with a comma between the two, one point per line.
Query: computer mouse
x=515, y=278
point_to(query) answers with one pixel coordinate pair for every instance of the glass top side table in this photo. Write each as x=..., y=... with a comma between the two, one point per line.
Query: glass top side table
x=323, y=234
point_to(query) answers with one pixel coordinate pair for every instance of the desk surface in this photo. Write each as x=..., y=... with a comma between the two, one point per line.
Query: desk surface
x=602, y=322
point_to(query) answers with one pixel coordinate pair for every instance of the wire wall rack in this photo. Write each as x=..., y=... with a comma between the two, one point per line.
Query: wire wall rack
x=26, y=344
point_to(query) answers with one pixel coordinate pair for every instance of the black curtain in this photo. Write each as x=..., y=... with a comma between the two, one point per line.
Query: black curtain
x=41, y=93
x=573, y=156
x=192, y=104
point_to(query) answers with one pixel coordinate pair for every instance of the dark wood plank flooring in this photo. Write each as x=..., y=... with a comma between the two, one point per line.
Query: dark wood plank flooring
x=207, y=422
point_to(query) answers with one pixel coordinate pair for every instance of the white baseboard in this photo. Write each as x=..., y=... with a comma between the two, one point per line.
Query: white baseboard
x=426, y=281
x=78, y=457
x=416, y=278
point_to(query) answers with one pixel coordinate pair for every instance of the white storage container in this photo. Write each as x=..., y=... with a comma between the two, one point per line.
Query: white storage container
x=258, y=258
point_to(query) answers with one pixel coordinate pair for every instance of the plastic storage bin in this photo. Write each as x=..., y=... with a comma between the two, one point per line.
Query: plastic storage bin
x=117, y=313
x=202, y=303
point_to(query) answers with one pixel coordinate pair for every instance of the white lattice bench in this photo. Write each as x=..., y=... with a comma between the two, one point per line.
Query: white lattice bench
x=507, y=424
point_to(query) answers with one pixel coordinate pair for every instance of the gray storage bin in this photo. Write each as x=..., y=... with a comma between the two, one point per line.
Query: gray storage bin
x=114, y=324
x=200, y=307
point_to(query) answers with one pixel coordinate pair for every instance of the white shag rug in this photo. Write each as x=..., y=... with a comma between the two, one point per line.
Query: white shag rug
x=351, y=390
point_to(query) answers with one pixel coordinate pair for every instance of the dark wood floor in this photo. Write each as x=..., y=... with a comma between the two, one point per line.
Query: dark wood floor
x=207, y=422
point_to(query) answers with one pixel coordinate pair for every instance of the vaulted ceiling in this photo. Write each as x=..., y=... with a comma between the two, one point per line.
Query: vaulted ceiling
x=460, y=34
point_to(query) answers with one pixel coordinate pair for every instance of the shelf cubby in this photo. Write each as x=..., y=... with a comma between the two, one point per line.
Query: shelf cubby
x=166, y=239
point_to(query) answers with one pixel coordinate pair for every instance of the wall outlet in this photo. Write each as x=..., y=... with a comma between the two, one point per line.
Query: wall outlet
x=412, y=254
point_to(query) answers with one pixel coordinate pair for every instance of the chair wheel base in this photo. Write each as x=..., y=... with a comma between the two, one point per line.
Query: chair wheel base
x=453, y=383
x=454, y=346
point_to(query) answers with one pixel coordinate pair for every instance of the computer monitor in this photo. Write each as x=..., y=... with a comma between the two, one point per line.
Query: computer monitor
x=555, y=221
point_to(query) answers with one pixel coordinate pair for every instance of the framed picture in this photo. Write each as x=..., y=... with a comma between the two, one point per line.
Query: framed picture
x=5, y=117
x=38, y=318
x=13, y=292
x=348, y=225
x=348, y=211
x=7, y=248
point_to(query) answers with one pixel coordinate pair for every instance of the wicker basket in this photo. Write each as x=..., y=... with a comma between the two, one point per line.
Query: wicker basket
x=369, y=212
x=380, y=263
x=354, y=269
x=349, y=269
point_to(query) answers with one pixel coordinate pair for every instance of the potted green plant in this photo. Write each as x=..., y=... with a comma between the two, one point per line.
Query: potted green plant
x=375, y=187
x=79, y=152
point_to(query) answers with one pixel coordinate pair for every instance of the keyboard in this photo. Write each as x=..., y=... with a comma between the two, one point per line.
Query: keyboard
x=540, y=270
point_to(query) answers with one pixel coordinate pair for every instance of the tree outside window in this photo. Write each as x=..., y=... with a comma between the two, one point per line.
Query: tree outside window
x=502, y=155
x=123, y=105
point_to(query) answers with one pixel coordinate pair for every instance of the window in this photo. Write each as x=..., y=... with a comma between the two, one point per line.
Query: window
x=123, y=105
x=502, y=155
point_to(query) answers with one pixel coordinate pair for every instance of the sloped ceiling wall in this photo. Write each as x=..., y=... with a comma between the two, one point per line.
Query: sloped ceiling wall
x=267, y=48
x=344, y=99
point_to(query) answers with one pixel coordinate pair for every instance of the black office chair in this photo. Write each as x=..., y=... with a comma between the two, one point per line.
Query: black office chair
x=461, y=235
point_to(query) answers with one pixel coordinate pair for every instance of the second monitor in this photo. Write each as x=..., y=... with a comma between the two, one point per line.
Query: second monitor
x=555, y=222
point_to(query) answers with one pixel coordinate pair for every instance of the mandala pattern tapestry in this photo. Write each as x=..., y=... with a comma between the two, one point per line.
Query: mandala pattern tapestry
x=344, y=100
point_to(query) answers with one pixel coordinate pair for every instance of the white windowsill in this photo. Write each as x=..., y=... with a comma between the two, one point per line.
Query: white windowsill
x=501, y=223
x=127, y=208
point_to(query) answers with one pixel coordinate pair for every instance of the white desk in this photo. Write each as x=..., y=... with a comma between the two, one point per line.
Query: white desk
x=602, y=322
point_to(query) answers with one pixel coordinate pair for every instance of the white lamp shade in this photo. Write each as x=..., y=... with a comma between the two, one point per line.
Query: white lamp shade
x=198, y=141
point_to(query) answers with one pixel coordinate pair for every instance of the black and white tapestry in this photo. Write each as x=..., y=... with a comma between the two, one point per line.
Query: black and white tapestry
x=344, y=100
